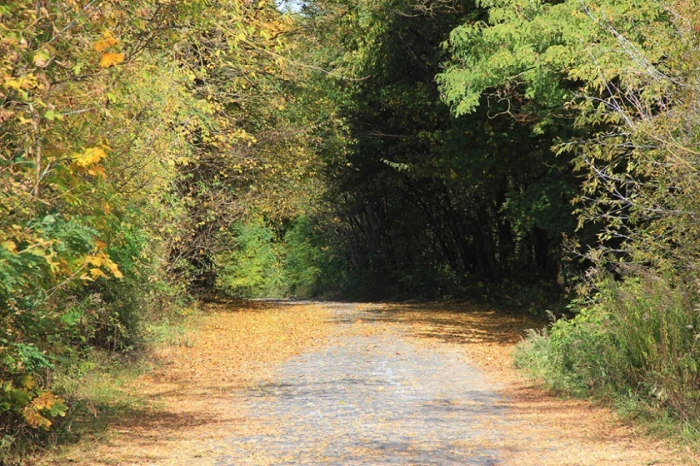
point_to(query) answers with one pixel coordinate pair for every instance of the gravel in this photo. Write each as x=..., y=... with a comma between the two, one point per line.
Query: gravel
x=372, y=399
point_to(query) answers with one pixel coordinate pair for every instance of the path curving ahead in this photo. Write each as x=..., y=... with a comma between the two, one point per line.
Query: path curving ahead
x=372, y=398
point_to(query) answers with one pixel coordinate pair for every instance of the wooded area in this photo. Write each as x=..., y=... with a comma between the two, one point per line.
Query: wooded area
x=152, y=151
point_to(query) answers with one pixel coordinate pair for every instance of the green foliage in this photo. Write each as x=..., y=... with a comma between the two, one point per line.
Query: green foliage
x=387, y=148
x=613, y=86
x=314, y=264
x=126, y=145
x=429, y=203
x=254, y=268
x=265, y=261
x=545, y=54
x=301, y=262
x=638, y=341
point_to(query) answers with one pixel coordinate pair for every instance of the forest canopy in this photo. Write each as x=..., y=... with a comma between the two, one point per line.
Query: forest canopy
x=152, y=152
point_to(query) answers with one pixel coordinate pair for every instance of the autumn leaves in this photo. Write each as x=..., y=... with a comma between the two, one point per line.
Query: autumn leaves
x=107, y=46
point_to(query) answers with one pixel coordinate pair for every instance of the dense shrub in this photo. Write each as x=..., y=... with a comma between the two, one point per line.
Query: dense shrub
x=314, y=262
x=253, y=268
x=639, y=341
x=267, y=260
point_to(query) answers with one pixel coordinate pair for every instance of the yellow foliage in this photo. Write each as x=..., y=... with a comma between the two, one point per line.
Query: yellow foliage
x=21, y=83
x=34, y=419
x=98, y=171
x=105, y=43
x=88, y=157
x=97, y=273
x=110, y=59
x=45, y=401
x=27, y=382
x=98, y=260
x=10, y=246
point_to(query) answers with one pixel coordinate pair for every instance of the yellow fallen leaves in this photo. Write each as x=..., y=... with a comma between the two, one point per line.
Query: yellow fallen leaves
x=194, y=398
x=253, y=338
x=25, y=82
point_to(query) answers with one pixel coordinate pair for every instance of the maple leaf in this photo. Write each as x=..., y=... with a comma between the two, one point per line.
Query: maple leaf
x=35, y=419
x=110, y=59
x=107, y=42
x=89, y=156
x=44, y=401
x=114, y=269
x=97, y=273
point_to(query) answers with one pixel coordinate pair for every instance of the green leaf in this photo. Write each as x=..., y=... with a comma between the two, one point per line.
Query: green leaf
x=58, y=409
x=52, y=115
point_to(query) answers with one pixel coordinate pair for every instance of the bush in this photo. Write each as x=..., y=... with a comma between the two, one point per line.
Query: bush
x=254, y=268
x=639, y=341
x=267, y=260
x=314, y=264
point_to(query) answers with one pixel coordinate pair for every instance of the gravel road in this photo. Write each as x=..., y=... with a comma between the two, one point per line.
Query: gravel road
x=372, y=399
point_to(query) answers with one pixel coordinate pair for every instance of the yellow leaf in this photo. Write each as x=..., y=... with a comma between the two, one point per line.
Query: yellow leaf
x=44, y=401
x=107, y=42
x=97, y=273
x=111, y=59
x=10, y=246
x=27, y=382
x=98, y=171
x=114, y=268
x=102, y=260
x=35, y=419
x=13, y=84
x=97, y=261
x=26, y=82
x=89, y=156
x=41, y=58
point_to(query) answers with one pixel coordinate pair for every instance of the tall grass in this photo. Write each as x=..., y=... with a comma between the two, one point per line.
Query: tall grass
x=638, y=344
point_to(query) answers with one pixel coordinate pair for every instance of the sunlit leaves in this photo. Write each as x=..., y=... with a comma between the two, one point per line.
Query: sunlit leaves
x=89, y=156
x=111, y=59
x=131, y=134
x=97, y=264
x=42, y=407
x=106, y=42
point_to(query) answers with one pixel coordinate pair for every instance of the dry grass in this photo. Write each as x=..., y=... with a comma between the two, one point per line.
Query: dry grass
x=545, y=429
x=193, y=397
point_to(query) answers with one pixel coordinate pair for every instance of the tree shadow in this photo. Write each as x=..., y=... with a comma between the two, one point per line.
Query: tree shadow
x=459, y=322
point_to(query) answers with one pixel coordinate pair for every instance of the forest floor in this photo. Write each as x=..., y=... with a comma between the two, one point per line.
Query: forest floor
x=337, y=383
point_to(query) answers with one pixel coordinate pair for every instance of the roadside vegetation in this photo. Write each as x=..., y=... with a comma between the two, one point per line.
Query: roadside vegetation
x=531, y=152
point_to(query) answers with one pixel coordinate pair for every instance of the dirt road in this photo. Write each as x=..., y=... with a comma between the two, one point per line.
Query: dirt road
x=350, y=384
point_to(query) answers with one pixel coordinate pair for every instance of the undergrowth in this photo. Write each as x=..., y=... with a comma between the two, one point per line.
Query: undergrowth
x=95, y=385
x=637, y=347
